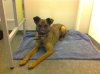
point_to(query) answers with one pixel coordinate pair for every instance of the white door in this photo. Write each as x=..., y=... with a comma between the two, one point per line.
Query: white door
x=94, y=30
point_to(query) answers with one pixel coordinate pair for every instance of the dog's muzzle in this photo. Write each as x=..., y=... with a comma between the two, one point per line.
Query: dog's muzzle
x=41, y=34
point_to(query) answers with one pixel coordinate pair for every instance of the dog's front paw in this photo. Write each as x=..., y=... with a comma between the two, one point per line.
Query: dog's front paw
x=22, y=62
x=32, y=65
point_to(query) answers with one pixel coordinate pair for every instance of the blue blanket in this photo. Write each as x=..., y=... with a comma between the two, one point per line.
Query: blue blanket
x=75, y=45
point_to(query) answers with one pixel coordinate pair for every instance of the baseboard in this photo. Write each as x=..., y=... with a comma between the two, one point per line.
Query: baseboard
x=95, y=42
x=22, y=31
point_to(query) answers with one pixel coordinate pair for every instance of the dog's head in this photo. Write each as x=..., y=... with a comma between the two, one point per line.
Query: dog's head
x=42, y=25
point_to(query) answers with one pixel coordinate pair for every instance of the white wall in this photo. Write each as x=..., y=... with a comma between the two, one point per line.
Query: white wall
x=62, y=11
x=84, y=15
x=94, y=30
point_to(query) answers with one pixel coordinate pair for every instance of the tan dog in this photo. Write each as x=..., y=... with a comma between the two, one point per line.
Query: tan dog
x=47, y=36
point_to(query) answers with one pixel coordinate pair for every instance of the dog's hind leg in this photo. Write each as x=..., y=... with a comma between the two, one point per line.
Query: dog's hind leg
x=62, y=32
x=43, y=57
x=27, y=57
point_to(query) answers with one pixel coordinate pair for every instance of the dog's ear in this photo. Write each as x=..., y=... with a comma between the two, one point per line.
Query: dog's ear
x=49, y=21
x=36, y=19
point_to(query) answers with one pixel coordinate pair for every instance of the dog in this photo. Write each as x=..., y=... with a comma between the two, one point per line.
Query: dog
x=46, y=36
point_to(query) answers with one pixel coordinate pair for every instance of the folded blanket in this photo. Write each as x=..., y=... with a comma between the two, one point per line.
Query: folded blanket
x=75, y=45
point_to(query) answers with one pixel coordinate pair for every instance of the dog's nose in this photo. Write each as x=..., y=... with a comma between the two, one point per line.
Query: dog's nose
x=42, y=32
